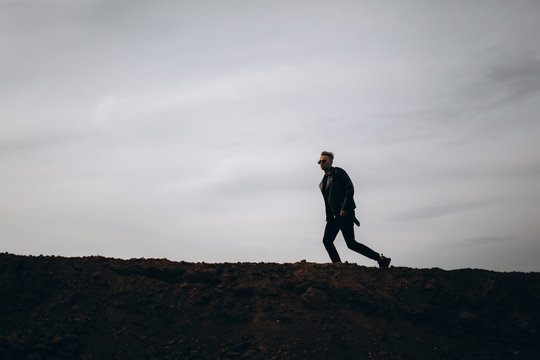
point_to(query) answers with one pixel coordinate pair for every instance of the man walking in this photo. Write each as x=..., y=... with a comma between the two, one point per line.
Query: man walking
x=337, y=190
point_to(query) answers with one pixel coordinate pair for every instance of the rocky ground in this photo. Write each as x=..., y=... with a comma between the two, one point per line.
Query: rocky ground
x=103, y=308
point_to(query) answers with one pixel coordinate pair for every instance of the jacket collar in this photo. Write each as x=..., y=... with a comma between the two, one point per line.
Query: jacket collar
x=331, y=173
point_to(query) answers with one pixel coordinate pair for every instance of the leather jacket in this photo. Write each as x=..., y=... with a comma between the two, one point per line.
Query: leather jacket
x=338, y=194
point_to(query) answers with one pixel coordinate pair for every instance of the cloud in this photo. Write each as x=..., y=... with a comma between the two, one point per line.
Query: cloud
x=173, y=117
x=516, y=79
x=504, y=82
x=429, y=212
x=477, y=241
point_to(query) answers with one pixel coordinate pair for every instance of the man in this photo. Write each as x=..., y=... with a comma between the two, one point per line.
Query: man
x=337, y=190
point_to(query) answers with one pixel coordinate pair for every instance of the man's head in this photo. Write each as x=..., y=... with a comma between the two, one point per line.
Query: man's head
x=326, y=160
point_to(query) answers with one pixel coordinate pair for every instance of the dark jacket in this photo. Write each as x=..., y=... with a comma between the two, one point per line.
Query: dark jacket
x=338, y=194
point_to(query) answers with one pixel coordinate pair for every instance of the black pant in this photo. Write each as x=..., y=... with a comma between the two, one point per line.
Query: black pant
x=346, y=226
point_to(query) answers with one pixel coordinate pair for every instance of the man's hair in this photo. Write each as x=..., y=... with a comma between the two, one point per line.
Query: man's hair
x=328, y=153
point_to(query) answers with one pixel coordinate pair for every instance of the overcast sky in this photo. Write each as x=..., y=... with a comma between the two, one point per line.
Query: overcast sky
x=190, y=130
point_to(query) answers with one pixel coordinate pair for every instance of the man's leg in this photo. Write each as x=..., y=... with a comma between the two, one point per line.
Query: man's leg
x=330, y=232
x=347, y=229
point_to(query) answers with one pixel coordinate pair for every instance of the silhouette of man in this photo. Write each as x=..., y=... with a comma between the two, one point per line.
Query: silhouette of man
x=338, y=190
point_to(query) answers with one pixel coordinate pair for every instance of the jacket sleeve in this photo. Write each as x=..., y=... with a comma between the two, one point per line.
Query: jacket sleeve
x=349, y=190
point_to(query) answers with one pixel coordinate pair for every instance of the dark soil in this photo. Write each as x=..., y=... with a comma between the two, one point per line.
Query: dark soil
x=103, y=308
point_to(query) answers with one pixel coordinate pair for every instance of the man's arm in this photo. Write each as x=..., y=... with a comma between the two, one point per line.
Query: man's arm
x=349, y=192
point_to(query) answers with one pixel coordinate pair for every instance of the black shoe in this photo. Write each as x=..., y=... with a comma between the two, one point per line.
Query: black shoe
x=383, y=261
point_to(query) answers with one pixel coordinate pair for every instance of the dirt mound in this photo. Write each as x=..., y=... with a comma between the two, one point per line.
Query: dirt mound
x=103, y=308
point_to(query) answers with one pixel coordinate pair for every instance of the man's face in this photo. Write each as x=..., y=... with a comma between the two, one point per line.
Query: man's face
x=325, y=162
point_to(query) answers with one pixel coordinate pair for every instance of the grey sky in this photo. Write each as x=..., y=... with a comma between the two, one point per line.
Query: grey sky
x=191, y=130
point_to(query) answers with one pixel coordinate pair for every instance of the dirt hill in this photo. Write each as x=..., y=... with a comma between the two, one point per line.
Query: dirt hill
x=103, y=308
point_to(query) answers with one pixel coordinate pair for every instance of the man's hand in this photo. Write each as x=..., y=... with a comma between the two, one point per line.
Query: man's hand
x=342, y=213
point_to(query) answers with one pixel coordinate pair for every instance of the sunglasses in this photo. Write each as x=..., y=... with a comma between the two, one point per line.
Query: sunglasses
x=321, y=161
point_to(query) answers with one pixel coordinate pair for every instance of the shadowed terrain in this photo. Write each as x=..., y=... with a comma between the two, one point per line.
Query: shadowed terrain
x=104, y=308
